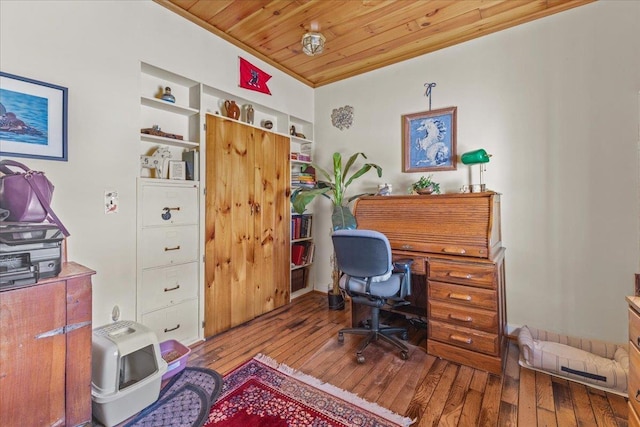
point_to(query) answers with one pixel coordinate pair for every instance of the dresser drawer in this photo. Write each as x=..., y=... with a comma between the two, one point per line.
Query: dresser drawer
x=483, y=342
x=463, y=295
x=169, y=245
x=178, y=322
x=165, y=286
x=466, y=273
x=464, y=316
x=634, y=328
x=634, y=377
x=634, y=420
x=169, y=204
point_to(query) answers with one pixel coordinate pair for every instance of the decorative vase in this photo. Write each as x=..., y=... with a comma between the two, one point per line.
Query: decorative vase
x=233, y=111
x=167, y=96
x=250, y=114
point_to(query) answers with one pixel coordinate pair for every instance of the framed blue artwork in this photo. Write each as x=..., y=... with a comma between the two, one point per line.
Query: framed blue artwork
x=33, y=118
x=429, y=140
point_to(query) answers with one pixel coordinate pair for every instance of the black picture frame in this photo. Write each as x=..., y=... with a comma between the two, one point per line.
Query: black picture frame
x=33, y=118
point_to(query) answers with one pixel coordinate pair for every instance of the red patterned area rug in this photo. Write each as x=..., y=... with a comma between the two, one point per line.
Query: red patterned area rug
x=261, y=393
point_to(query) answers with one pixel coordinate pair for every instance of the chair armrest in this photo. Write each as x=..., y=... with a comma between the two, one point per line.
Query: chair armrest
x=403, y=265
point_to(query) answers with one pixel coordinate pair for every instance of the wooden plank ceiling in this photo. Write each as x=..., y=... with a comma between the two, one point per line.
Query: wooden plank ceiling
x=362, y=35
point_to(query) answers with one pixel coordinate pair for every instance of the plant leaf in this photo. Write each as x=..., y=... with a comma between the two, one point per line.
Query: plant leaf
x=302, y=197
x=342, y=218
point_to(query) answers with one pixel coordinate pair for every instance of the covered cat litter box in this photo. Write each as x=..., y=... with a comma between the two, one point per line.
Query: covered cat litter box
x=126, y=371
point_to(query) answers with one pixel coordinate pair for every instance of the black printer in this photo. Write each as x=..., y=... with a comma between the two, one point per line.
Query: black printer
x=28, y=252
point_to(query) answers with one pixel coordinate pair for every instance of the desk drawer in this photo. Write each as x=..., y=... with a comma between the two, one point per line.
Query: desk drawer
x=463, y=295
x=464, y=316
x=419, y=265
x=459, y=336
x=466, y=273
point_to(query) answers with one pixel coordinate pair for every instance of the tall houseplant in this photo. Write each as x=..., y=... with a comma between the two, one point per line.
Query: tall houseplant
x=333, y=186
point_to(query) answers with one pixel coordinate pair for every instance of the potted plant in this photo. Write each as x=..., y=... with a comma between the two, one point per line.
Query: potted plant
x=425, y=185
x=333, y=186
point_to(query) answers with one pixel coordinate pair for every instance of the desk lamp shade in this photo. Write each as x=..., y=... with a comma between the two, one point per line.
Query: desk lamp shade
x=475, y=157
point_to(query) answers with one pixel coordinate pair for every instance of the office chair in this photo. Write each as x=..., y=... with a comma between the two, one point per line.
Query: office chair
x=371, y=278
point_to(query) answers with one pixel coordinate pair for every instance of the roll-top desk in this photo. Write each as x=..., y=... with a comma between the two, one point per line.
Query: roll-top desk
x=455, y=242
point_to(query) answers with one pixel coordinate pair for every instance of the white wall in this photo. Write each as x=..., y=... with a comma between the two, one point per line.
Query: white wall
x=556, y=103
x=94, y=48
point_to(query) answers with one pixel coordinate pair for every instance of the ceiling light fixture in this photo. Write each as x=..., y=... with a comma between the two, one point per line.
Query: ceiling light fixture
x=313, y=43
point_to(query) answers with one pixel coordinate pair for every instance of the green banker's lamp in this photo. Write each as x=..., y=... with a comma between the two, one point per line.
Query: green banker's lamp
x=476, y=157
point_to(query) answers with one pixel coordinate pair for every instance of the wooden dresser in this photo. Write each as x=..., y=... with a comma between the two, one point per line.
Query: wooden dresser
x=634, y=361
x=455, y=242
x=45, y=351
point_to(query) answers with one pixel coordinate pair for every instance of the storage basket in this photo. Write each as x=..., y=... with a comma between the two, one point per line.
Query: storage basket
x=176, y=355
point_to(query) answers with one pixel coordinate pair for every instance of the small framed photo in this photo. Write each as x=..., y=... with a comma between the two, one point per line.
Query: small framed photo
x=177, y=169
x=33, y=118
x=429, y=140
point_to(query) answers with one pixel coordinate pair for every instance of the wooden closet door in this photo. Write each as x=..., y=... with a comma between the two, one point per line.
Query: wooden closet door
x=247, y=223
x=271, y=183
x=229, y=225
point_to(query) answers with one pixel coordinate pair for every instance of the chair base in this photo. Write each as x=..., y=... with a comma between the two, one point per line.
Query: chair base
x=374, y=334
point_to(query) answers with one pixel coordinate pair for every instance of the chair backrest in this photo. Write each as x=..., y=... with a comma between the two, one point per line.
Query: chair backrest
x=362, y=253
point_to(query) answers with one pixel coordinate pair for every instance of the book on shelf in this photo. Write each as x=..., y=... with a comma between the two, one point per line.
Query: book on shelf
x=297, y=253
x=192, y=162
x=308, y=255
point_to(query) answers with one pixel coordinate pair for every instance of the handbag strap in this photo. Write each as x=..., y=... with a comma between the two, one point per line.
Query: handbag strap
x=5, y=163
x=45, y=204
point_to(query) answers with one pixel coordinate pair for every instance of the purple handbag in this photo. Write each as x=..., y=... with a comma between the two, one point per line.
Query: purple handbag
x=27, y=195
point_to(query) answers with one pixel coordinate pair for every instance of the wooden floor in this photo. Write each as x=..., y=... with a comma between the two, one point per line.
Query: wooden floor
x=433, y=391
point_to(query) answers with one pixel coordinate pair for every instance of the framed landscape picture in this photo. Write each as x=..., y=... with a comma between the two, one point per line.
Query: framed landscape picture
x=33, y=118
x=429, y=140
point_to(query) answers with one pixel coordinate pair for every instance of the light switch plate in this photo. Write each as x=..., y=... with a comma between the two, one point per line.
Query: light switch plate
x=111, y=202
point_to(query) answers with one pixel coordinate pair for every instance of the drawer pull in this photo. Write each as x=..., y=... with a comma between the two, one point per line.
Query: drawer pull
x=461, y=297
x=460, y=275
x=637, y=395
x=166, y=213
x=461, y=318
x=176, y=248
x=461, y=339
x=172, y=329
x=638, y=341
x=175, y=288
x=454, y=250
x=407, y=247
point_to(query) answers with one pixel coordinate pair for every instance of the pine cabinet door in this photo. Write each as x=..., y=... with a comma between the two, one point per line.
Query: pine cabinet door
x=246, y=223
x=33, y=355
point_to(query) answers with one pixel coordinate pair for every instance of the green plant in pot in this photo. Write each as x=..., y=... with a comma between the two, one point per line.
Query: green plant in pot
x=333, y=186
x=425, y=185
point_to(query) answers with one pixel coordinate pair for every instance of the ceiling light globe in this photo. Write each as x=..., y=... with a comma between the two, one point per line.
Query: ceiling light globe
x=313, y=43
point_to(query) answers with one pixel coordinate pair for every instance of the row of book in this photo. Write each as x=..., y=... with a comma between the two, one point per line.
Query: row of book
x=301, y=226
x=302, y=253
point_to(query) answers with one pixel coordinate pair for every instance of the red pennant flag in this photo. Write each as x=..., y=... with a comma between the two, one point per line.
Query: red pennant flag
x=253, y=78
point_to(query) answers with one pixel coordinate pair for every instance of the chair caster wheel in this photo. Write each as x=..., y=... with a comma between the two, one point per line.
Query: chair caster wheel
x=340, y=338
x=404, y=355
x=360, y=359
x=404, y=336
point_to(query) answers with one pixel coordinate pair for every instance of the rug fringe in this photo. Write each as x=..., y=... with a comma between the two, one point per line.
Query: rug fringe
x=336, y=391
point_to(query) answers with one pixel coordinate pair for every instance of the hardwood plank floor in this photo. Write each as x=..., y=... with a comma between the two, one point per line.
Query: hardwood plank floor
x=435, y=392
